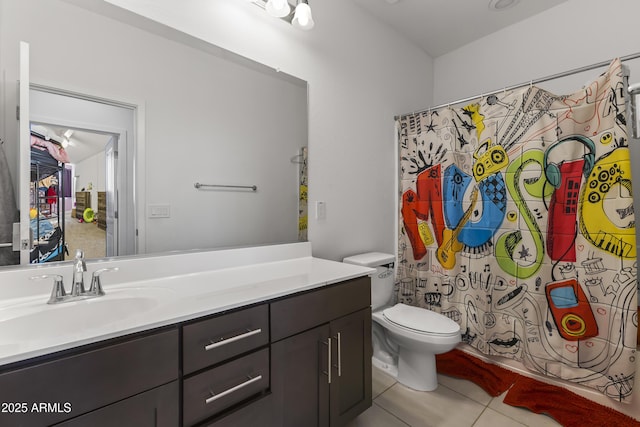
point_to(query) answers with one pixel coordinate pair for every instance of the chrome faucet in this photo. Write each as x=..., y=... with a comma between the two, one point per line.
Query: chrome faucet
x=79, y=267
x=95, y=289
x=78, y=291
x=58, y=293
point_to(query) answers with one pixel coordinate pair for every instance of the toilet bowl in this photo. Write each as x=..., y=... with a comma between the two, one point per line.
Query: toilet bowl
x=405, y=339
x=413, y=336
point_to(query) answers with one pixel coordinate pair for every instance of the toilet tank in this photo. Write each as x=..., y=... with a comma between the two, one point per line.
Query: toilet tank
x=383, y=279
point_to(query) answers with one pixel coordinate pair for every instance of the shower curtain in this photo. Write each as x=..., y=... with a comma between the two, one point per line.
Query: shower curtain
x=516, y=221
x=303, y=180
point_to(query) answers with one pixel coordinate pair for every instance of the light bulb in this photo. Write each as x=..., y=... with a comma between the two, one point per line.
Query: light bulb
x=302, y=18
x=278, y=8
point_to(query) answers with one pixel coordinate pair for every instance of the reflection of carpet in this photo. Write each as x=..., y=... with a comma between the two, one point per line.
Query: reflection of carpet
x=566, y=407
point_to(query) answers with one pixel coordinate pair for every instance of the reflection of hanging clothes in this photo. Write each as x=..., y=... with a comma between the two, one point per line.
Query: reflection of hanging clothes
x=51, y=191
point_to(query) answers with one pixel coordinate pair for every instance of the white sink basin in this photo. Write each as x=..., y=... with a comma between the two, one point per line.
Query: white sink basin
x=35, y=320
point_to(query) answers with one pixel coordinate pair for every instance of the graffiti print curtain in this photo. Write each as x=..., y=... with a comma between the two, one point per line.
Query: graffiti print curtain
x=516, y=221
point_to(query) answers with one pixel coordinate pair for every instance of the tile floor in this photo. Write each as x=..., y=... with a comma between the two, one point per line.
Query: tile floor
x=455, y=403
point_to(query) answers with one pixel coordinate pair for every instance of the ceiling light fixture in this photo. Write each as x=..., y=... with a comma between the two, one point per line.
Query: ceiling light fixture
x=300, y=17
x=499, y=5
x=278, y=8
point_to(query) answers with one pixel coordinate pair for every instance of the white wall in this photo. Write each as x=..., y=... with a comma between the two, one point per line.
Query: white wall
x=360, y=76
x=206, y=133
x=569, y=36
x=91, y=171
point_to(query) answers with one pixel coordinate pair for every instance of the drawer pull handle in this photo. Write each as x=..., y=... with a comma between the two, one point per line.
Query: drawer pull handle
x=339, y=355
x=328, y=371
x=215, y=397
x=232, y=339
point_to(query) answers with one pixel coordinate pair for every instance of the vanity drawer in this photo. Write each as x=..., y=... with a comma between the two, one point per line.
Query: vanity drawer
x=308, y=310
x=255, y=413
x=211, y=341
x=89, y=380
x=212, y=391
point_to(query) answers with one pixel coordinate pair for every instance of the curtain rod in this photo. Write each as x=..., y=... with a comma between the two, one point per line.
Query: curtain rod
x=532, y=82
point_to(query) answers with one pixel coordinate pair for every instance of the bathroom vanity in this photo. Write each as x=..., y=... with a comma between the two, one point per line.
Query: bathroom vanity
x=265, y=336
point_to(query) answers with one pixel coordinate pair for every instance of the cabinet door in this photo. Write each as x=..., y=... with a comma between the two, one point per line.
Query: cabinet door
x=351, y=380
x=154, y=408
x=299, y=380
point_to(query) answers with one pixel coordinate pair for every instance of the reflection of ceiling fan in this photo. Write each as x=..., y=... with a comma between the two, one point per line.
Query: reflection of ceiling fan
x=67, y=138
x=79, y=144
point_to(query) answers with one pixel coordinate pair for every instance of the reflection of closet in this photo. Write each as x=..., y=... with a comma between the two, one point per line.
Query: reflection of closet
x=47, y=207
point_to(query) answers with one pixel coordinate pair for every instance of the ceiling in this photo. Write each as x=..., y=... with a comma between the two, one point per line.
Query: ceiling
x=82, y=144
x=441, y=26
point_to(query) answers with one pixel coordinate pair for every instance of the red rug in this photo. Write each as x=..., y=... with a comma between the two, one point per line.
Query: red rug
x=493, y=379
x=564, y=406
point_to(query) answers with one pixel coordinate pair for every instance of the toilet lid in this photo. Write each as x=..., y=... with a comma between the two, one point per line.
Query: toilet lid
x=421, y=320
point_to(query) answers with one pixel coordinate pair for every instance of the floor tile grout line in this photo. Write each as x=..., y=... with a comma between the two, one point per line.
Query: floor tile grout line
x=393, y=415
x=479, y=416
x=486, y=405
x=386, y=389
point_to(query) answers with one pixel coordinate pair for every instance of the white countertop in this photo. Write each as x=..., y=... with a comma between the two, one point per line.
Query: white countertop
x=29, y=327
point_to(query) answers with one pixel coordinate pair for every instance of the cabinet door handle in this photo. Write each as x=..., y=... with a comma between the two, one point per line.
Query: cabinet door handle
x=232, y=339
x=328, y=371
x=215, y=397
x=339, y=356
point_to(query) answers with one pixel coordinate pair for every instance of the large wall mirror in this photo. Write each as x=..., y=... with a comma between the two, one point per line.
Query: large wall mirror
x=195, y=113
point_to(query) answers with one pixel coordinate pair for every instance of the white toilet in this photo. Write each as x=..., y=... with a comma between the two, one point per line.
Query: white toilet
x=406, y=339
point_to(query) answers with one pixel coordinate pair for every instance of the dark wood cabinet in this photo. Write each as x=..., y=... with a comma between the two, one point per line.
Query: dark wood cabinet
x=322, y=376
x=66, y=387
x=214, y=340
x=83, y=201
x=154, y=408
x=257, y=412
x=101, y=213
x=350, y=392
x=299, y=360
x=300, y=381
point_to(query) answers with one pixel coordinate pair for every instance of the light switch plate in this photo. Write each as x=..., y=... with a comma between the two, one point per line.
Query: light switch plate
x=158, y=211
x=321, y=211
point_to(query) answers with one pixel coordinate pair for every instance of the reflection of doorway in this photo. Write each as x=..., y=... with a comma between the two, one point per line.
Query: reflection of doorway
x=103, y=131
x=92, y=164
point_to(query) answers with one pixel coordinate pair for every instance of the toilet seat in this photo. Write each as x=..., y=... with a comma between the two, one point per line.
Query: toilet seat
x=420, y=320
